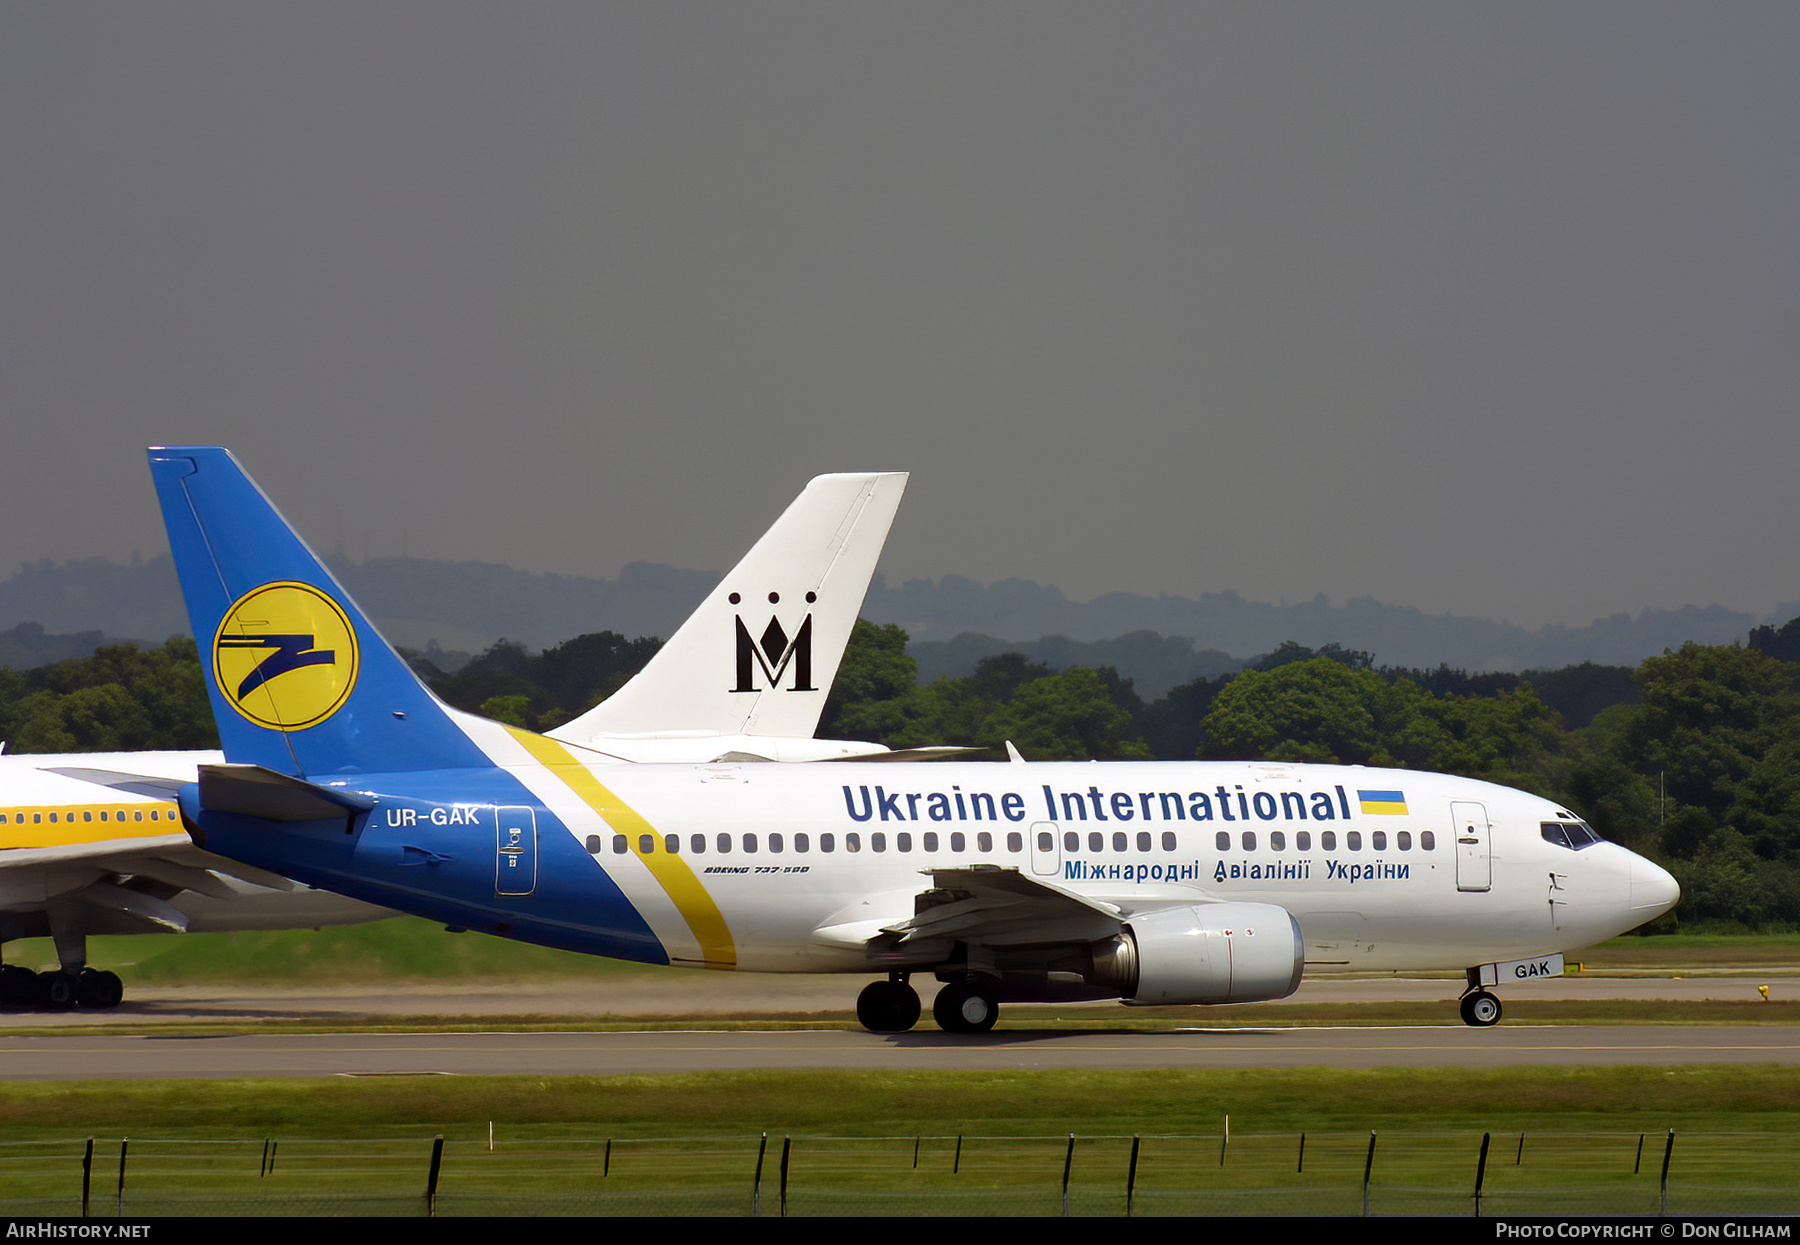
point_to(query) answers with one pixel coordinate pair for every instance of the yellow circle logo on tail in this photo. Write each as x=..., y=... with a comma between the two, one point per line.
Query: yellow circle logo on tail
x=285, y=656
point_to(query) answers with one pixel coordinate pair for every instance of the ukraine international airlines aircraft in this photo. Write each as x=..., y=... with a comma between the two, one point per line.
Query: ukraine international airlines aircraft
x=1151, y=883
x=90, y=843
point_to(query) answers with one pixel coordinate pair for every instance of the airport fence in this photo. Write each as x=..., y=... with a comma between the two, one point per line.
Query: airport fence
x=1336, y=1173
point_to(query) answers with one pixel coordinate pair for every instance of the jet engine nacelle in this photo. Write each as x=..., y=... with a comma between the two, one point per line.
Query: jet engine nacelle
x=1208, y=953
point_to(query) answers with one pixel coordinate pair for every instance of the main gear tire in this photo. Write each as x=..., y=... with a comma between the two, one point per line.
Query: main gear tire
x=888, y=1007
x=965, y=1007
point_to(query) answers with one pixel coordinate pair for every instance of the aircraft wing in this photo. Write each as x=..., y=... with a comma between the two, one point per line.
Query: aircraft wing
x=995, y=906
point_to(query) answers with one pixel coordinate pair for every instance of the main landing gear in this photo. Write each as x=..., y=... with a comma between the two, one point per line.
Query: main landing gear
x=889, y=1006
x=89, y=988
x=1481, y=1009
x=892, y=1006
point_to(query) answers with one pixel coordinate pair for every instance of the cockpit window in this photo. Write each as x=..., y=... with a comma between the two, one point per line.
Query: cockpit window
x=1573, y=835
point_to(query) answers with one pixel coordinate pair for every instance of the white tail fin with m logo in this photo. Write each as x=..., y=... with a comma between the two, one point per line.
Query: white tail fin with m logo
x=759, y=655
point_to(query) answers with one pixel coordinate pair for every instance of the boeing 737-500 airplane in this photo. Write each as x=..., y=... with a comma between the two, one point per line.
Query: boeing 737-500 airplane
x=1153, y=883
x=90, y=843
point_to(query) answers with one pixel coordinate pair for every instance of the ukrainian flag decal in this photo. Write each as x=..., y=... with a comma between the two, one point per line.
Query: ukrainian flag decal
x=1383, y=803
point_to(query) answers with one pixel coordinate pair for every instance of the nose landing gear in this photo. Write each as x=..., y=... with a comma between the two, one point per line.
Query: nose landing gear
x=1481, y=1009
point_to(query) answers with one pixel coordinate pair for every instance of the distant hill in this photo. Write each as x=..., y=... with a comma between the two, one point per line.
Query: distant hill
x=28, y=646
x=467, y=605
x=1397, y=635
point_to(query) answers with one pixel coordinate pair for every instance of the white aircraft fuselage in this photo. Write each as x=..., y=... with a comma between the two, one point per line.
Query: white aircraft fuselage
x=1153, y=883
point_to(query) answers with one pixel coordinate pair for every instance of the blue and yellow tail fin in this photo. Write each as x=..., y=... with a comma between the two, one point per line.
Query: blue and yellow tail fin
x=300, y=681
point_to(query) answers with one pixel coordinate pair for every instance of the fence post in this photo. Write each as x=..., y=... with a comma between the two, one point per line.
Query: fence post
x=431, y=1180
x=1368, y=1167
x=1068, y=1161
x=1668, y=1149
x=1480, y=1173
x=916, y=1141
x=1131, y=1176
x=756, y=1184
x=956, y=1163
x=87, y=1175
x=1224, y=1140
x=1639, y=1160
x=1300, y=1163
x=786, y=1144
x=124, y=1144
x=1519, y=1158
x=606, y=1161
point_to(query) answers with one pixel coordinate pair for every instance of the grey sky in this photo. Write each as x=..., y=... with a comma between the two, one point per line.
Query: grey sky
x=1488, y=309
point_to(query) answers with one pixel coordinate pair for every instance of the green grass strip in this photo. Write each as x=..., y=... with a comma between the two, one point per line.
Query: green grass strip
x=884, y=1104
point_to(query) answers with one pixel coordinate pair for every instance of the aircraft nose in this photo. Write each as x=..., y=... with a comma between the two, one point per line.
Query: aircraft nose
x=1653, y=891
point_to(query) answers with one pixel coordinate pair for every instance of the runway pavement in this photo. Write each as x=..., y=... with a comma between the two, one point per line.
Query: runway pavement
x=41, y=1050
x=61, y=1057
x=789, y=995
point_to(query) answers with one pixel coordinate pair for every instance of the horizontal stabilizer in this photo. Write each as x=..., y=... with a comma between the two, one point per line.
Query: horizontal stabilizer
x=258, y=792
x=116, y=780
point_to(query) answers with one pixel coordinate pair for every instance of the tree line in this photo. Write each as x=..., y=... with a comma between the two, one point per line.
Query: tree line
x=1692, y=758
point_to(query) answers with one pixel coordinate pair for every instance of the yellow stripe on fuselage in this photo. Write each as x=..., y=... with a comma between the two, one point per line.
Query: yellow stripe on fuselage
x=64, y=825
x=675, y=875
